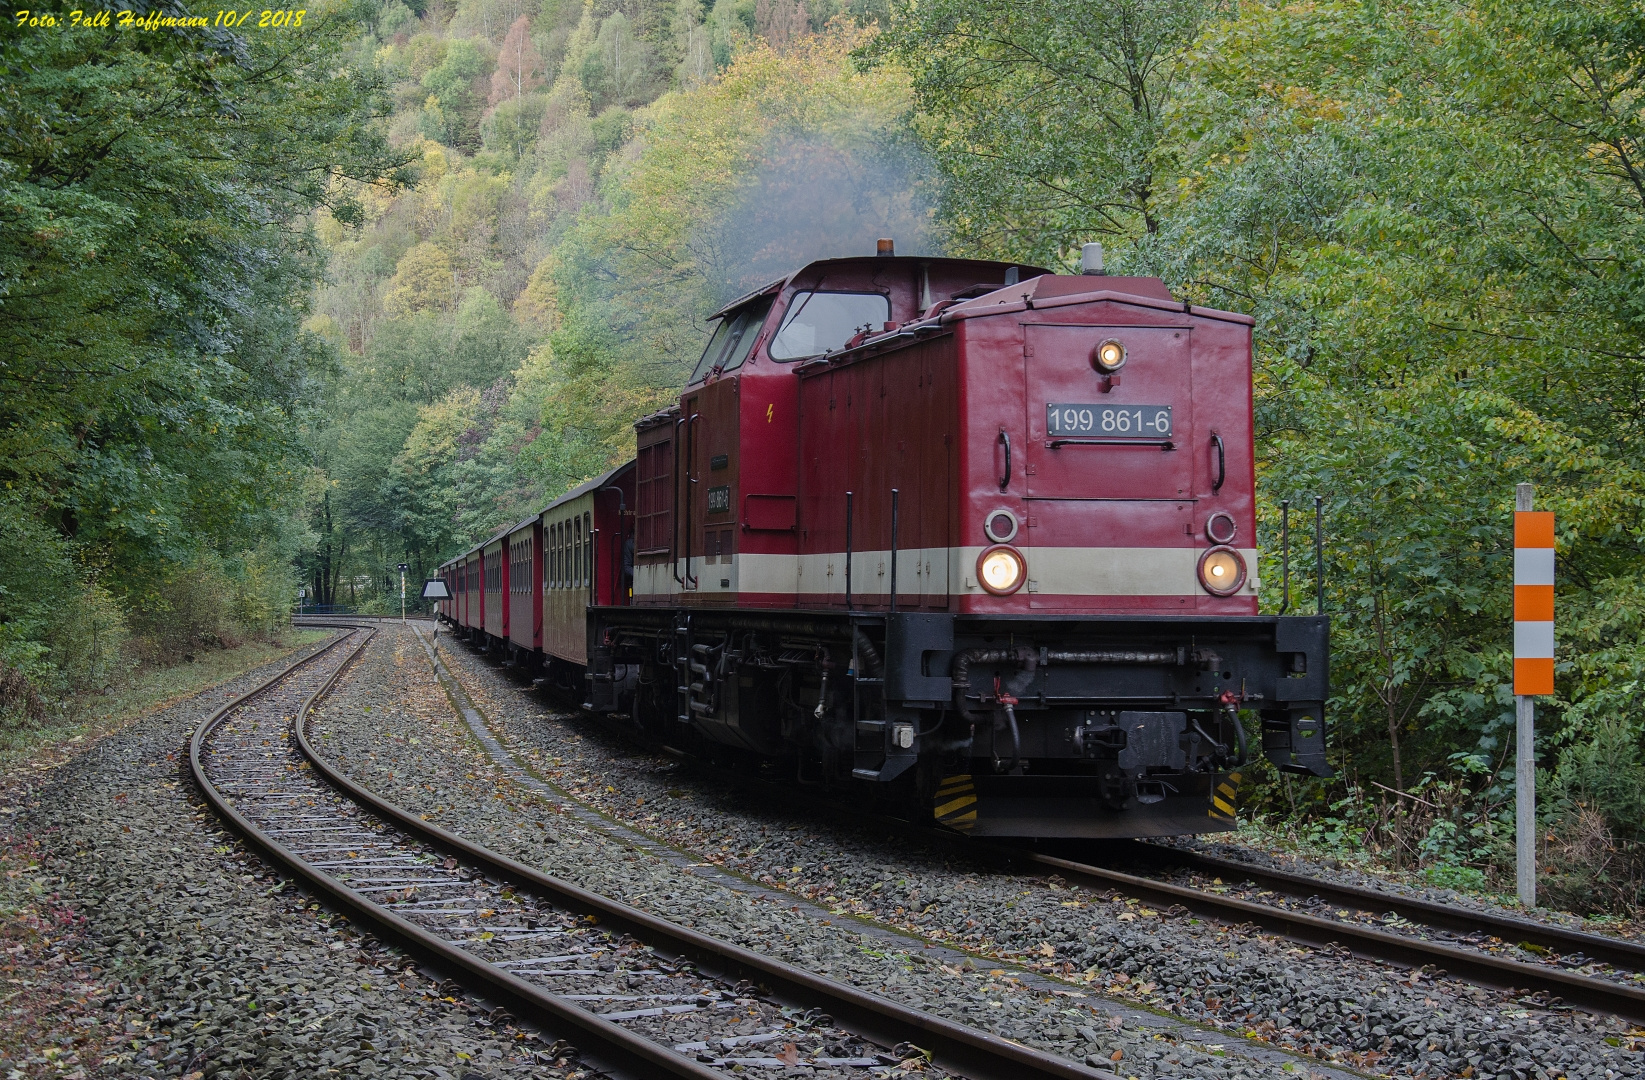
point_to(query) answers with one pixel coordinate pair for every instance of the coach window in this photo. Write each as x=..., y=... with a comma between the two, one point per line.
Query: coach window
x=819, y=322
x=588, y=563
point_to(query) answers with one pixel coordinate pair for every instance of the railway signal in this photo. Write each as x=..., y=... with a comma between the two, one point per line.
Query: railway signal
x=435, y=589
x=1533, y=670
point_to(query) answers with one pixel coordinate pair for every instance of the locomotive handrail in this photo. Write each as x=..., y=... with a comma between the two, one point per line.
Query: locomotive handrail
x=674, y=518
x=848, y=516
x=1005, y=437
x=1222, y=462
x=690, y=426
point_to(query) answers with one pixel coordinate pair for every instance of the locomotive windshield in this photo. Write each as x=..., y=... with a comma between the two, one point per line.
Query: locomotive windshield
x=731, y=343
x=818, y=322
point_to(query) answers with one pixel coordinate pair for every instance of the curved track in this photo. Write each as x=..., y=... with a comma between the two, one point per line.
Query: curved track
x=637, y=995
x=1322, y=913
x=1589, y=970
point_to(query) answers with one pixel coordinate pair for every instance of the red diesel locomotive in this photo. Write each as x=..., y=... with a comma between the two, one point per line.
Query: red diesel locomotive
x=966, y=535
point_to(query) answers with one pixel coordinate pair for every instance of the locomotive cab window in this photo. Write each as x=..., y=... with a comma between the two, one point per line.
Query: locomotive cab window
x=733, y=341
x=819, y=322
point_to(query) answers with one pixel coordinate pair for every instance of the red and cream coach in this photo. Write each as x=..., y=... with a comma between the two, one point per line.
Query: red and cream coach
x=960, y=533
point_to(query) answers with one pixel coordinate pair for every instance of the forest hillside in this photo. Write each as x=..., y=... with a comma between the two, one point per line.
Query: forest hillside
x=443, y=255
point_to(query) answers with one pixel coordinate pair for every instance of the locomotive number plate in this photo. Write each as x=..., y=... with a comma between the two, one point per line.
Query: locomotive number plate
x=1109, y=421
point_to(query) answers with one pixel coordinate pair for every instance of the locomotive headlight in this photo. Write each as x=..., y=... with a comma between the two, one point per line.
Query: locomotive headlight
x=1222, y=571
x=1109, y=357
x=1001, y=569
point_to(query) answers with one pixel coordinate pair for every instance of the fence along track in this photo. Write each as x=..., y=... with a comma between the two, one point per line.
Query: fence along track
x=639, y=996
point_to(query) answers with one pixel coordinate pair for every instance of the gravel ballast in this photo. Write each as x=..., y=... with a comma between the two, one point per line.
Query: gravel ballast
x=188, y=957
x=818, y=876
x=1383, y=1019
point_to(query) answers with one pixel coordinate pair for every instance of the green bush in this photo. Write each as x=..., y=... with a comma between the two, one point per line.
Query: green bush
x=215, y=602
x=264, y=590
x=1605, y=773
x=88, y=641
x=1447, y=876
x=1593, y=846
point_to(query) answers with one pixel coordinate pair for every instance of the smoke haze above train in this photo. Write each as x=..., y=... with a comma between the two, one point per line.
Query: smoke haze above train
x=818, y=198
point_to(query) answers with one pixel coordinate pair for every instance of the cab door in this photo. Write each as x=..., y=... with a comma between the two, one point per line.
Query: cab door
x=708, y=533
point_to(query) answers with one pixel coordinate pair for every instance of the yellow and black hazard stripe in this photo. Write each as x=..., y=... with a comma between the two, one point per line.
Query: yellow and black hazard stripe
x=956, y=802
x=1224, y=798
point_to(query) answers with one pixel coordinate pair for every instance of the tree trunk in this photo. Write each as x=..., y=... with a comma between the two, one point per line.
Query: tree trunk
x=1393, y=742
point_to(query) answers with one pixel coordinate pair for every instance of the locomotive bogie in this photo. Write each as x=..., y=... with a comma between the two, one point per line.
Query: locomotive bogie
x=1125, y=724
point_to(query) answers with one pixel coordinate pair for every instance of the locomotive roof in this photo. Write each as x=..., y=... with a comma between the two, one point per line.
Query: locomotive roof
x=983, y=266
x=1059, y=290
x=1047, y=291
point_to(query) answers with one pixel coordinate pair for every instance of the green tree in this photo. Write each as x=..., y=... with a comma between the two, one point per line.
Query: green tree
x=154, y=267
x=457, y=97
x=1044, y=117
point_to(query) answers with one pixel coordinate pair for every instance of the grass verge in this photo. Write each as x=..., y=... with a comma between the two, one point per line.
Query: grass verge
x=96, y=715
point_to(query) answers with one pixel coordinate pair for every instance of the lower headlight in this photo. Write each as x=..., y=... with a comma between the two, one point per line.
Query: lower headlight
x=1001, y=569
x=1222, y=571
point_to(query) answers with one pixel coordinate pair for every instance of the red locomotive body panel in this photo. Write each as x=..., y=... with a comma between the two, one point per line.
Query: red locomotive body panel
x=1110, y=520
x=731, y=504
x=976, y=532
x=885, y=423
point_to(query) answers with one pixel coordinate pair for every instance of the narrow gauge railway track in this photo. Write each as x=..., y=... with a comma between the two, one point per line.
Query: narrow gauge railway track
x=1464, y=952
x=638, y=996
x=1464, y=955
x=1573, y=948
x=1470, y=931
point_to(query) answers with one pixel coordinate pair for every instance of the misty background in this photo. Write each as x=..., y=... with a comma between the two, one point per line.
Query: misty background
x=814, y=197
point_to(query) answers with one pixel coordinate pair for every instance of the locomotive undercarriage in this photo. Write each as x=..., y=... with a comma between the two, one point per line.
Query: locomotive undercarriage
x=1086, y=726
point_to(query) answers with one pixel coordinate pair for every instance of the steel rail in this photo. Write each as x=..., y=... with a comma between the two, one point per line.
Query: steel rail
x=600, y=1041
x=1594, y=993
x=1615, y=951
x=967, y=1051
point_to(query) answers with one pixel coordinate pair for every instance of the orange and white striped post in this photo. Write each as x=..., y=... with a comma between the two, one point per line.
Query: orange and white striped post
x=1533, y=669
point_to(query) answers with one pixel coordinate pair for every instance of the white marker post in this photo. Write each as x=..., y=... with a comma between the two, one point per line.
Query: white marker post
x=1533, y=670
x=403, y=568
